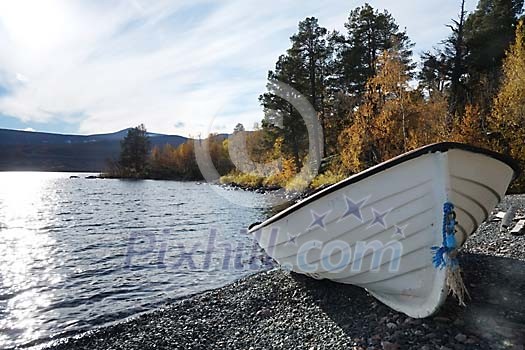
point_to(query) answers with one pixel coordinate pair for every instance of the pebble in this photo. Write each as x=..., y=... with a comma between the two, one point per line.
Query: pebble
x=460, y=337
x=471, y=340
x=264, y=313
x=391, y=325
x=390, y=346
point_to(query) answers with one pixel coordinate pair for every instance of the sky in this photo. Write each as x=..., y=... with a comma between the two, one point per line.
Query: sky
x=179, y=67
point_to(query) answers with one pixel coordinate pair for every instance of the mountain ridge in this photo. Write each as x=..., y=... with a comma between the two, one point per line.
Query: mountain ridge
x=44, y=151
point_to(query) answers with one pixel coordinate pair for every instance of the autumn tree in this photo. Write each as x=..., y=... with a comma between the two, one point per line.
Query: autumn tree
x=469, y=128
x=431, y=123
x=218, y=148
x=179, y=163
x=354, y=53
x=508, y=113
x=386, y=120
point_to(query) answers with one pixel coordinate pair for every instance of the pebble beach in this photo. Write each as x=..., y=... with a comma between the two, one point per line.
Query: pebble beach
x=281, y=310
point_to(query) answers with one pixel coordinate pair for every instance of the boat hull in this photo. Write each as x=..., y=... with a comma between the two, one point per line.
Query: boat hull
x=376, y=229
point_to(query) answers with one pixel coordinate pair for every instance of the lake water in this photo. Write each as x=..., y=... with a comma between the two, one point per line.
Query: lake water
x=77, y=253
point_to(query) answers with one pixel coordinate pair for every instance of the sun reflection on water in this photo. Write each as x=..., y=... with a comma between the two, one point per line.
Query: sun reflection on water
x=26, y=256
x=63, y=246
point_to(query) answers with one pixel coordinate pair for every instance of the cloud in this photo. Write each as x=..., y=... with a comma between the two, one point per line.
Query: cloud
x=184, y=67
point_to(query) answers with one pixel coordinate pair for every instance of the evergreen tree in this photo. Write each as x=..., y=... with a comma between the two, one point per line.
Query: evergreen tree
x=134, y=152
x=455, y=51
x=310, y=46
x=369, y=33
x=489, y=31
x=305, y=68
x=433, y=76
x=443, y=71
x=281, y=119
x=238, y=128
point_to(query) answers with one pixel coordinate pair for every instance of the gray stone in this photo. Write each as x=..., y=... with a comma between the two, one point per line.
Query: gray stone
x=391, y=325
x=390, y=346
x=460, y=337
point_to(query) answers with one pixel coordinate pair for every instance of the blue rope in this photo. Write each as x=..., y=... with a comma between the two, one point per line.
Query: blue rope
x=449, y=239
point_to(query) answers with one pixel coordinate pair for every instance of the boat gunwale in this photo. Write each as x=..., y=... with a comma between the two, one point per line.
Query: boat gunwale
x=432, y=148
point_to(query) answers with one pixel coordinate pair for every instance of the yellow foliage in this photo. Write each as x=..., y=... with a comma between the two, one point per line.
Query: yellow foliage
x=283, y=175
x=296, y=184
x=469, y=129
x=351, y=142
x=508, y=113
x=243, y=179
x=393, y=118
x=279, y=176
x=431, y=122
x=328, y=178
x=385, y=121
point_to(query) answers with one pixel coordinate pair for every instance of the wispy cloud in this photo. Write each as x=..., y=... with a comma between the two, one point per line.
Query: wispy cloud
x=177, y=67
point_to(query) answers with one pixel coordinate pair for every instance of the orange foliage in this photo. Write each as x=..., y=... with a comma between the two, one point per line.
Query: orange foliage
x=469, y=129
x=385, y=122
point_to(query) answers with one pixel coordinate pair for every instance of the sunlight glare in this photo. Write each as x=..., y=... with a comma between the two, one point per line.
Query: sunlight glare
x=34, y=25
x=25, y=248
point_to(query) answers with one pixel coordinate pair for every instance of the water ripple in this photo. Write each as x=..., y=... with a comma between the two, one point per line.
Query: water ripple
x=64, y=263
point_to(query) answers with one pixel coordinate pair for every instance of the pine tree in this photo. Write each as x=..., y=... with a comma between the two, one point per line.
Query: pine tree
x=310, y=46
x=305, y=68
x=433, y=76
x=134, y=152
x=238, y=128
x=354, y=55
x=369, y=33
x=443, y=71
x=281, y=119
x=456, y=51
x=489, y=31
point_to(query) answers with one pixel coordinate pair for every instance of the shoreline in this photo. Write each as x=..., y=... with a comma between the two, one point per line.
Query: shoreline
x=278, y=309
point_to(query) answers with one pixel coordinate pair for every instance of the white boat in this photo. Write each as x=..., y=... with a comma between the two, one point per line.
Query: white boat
x=376, y=229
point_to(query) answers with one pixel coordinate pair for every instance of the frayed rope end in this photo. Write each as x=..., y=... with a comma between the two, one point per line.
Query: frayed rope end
x=455, y=284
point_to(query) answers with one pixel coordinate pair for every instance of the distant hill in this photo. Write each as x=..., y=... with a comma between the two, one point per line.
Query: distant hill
x=24, y=150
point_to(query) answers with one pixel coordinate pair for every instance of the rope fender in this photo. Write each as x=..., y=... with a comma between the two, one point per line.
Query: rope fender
x=447, y=251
